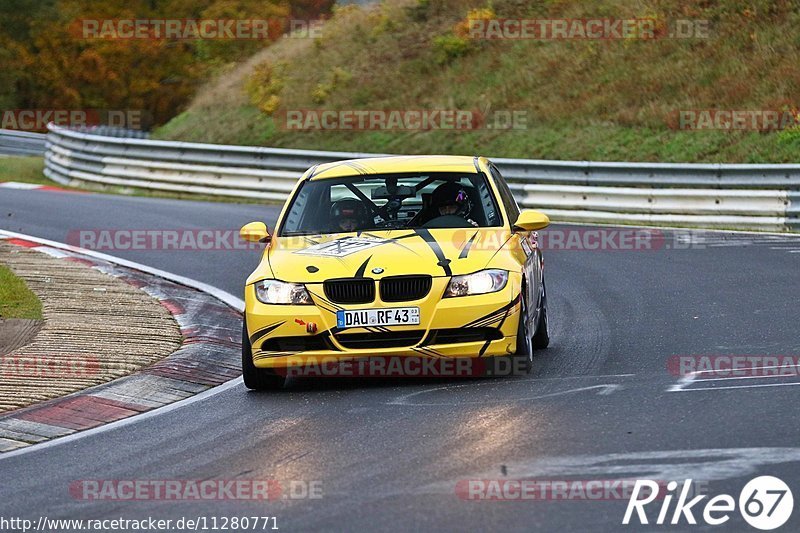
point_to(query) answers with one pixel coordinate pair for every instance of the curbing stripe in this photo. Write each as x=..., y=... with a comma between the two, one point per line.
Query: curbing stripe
x=229, y=299
x=21, y=186
x=34, y=428
x=79, y=412
x=35, y=187
x=197, y=369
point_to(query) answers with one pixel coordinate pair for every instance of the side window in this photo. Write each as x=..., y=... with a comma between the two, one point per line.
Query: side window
x=505, y=195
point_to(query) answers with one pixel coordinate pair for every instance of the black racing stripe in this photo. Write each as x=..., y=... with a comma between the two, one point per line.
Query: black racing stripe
x=331, y=167
x=509, y=305
x=488, y=319
x=500, y=325
x=428, y=238
x=326, y=302
x=392, y=240
x=323, y=305
x=465, y=250
x=270, y=355
x=484, y=348
x=264, y=331
x=375, y=329
x=487, y=322
x=431, y=351
x=362, y=268
x=361, y=169
x=499, y=248
x=424, y=352
x=404, y=247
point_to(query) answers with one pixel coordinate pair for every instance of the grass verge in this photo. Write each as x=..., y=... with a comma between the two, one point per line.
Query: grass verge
x=16, y=299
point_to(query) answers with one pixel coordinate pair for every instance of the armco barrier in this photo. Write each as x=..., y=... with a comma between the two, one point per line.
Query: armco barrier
x=760, y=197
x=13, y=142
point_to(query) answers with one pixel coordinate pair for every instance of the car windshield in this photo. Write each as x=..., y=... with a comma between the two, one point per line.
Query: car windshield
x=392, y=201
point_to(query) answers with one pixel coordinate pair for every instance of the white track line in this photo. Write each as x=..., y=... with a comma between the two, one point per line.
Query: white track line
x=229, y=299
x=748, y=377
x=691, y=377
x=710, y=389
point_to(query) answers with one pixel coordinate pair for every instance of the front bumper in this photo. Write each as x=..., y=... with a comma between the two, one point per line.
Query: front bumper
x=469, y=326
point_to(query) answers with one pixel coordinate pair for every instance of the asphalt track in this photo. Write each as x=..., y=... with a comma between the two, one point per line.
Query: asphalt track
x=600, y=403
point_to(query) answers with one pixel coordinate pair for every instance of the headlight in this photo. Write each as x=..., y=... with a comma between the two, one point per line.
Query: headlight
x=482, y=282
x=272, y=291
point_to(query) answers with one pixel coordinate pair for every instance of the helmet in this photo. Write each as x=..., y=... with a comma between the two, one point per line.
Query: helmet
x=349, y=208
x=451, y=193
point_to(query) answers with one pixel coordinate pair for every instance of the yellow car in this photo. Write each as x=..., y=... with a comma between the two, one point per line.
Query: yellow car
x=425, y=257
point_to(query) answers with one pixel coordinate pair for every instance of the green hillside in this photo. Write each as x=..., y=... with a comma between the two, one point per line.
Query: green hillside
x=613, y=99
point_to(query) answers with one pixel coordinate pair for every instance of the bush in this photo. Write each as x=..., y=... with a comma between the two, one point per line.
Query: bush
x=449, y=47
x=263, y=87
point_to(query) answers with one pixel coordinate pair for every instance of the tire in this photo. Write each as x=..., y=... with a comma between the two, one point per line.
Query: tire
x=257, y=378
x=541, y=338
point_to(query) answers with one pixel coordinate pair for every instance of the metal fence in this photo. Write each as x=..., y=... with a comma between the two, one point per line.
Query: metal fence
x=762, y=197
x=13, y=142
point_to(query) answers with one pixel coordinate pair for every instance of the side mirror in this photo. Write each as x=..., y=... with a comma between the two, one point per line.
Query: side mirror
x=530, y=220
x=255, y=232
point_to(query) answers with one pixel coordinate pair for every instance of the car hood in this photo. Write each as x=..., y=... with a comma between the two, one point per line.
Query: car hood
x=437, y=252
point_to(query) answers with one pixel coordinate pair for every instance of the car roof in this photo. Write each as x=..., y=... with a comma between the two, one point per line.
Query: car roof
x=394, y=165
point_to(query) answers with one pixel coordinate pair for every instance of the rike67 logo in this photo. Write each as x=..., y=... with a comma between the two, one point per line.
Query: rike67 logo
x=765, y=503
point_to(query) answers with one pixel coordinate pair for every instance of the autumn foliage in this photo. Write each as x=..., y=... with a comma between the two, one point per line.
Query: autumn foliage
x=47, y=62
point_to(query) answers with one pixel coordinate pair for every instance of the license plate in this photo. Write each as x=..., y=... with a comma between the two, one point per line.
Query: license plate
x=395, y=316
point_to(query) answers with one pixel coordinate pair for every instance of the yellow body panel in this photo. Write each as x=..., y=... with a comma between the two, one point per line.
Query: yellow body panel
x=394, y=164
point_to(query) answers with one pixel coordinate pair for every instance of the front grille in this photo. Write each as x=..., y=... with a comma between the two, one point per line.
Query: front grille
x=393, y=339
x=350, y=290
x=456, y=335
x=405, y=288
x=297, y=344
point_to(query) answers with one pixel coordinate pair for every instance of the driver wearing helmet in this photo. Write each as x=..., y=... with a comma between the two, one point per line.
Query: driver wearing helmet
x=348, y=214
x=451, y=199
